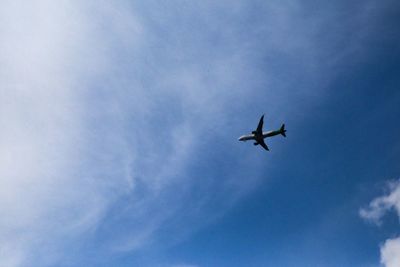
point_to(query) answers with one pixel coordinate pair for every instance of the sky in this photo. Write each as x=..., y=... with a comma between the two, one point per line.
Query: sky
x=119, y=126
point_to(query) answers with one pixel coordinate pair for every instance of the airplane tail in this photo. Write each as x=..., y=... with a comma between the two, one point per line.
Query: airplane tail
x=282, y=130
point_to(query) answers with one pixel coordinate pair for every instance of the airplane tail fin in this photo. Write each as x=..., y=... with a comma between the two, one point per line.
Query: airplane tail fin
x=282, y=130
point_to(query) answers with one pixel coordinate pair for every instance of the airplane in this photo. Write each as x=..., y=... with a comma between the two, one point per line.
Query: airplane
x=258, y=135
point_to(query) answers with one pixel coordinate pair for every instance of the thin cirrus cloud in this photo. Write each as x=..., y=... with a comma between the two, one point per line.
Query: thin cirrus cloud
x=106, y=110
x=50, y=192
x=390, y=250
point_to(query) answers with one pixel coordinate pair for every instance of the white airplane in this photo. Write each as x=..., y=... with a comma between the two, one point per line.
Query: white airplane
x=258, y=135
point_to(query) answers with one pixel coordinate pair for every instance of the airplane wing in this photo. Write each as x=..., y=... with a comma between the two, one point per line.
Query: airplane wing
x=260, y=125
x=262, y=143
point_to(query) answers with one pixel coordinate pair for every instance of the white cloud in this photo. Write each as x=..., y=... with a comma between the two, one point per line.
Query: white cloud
x=379, y=206
x=390, y=251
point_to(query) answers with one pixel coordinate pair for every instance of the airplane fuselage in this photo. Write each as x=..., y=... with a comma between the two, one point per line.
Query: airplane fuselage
x=254, y=137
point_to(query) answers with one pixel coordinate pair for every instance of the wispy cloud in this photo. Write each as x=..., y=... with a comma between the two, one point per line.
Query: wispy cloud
x=390, y=250
x=51, y=187
x=381, y=205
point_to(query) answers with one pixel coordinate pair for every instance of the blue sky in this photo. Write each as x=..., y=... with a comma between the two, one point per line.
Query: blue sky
x=120, y=124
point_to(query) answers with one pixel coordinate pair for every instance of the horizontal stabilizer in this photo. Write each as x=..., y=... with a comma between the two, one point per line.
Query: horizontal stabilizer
x=282, y=130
